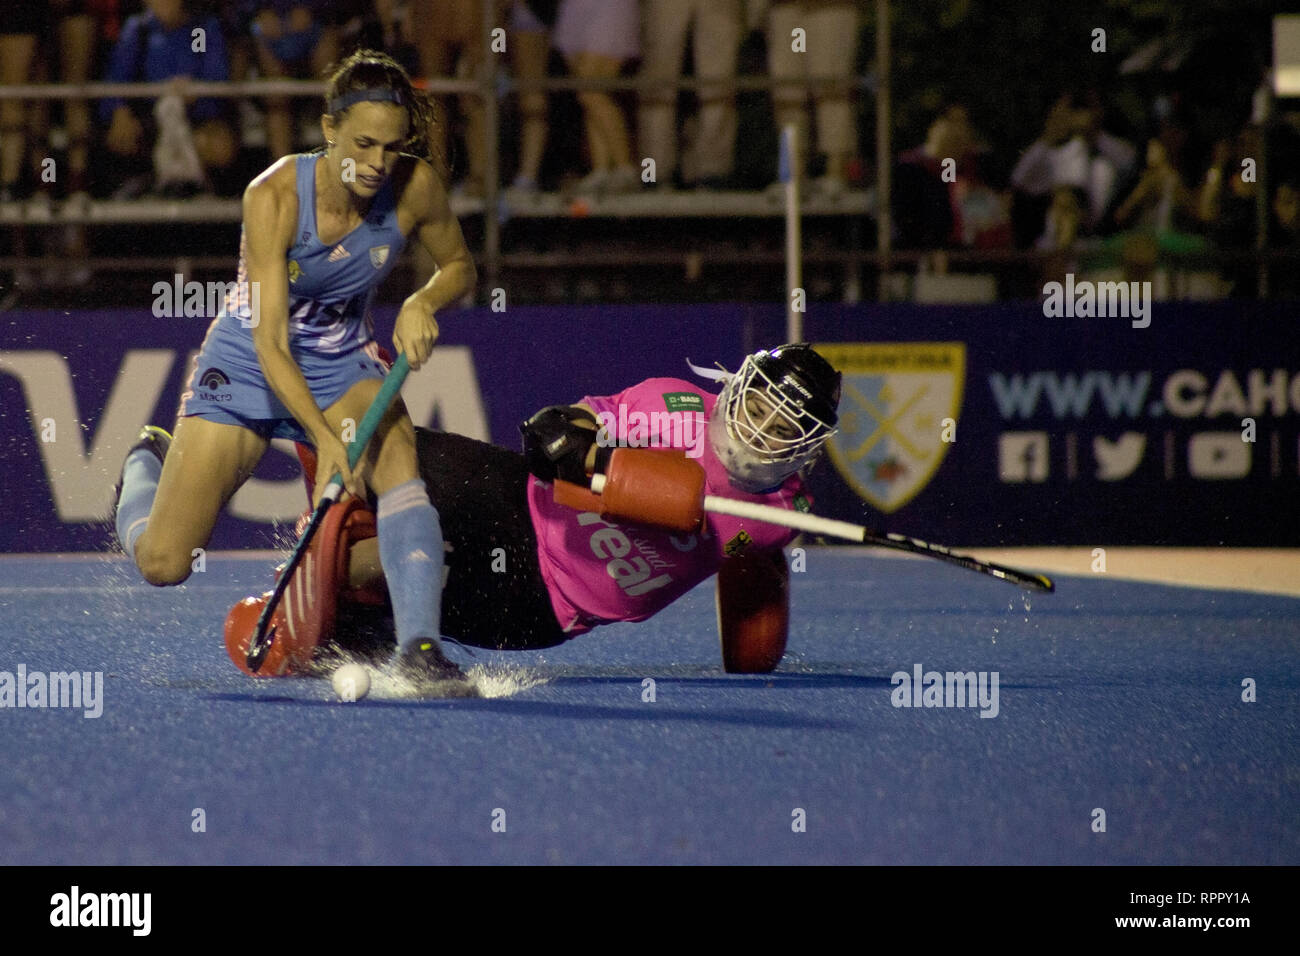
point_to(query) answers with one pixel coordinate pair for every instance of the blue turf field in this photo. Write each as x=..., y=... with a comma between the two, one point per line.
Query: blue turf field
x=1115, y=695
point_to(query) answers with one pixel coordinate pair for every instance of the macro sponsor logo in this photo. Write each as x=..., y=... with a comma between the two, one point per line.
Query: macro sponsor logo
x=213, y=378
x=213, y=384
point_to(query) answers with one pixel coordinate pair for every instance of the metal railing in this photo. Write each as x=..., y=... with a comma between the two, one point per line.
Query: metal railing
x=492, y=85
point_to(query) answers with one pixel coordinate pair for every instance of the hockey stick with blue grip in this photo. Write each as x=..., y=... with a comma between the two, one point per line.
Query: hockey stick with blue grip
x=265, y=634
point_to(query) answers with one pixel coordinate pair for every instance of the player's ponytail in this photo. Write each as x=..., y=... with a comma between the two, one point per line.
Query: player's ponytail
x=373, y=75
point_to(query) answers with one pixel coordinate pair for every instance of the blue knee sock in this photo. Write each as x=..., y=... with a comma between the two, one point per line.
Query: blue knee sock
x=410, y=550
x=139, y=486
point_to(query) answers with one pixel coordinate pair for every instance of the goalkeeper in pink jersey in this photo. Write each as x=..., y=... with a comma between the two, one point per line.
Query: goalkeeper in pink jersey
x=525, y=570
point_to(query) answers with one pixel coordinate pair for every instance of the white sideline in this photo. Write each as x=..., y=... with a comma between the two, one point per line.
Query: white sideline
x=1258, y=570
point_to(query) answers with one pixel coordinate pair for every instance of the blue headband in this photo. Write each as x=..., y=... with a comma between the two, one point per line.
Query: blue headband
x=381, y=95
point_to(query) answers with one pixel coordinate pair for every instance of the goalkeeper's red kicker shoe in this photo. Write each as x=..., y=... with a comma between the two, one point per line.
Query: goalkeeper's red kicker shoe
x=425, y=666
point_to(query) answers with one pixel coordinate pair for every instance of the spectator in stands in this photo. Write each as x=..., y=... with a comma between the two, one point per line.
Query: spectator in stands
x=18, y=33
x=830, y=34
x=447, y=38
x=1284, y=277
x=1064, y=220
x=924, y=204
x=530, y=24
x=715, y=27
x=291, y=38
x=597, y=38
x=1225, y=205
x=1073, y=153
x=1225, y=202
x=1286, y=215
x=80, y=26
x=169, y=42
x=67, y=46
x=1160, y=199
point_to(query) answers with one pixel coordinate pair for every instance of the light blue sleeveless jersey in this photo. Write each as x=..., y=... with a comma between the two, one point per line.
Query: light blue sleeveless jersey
x=330, y=287
x=331, y=335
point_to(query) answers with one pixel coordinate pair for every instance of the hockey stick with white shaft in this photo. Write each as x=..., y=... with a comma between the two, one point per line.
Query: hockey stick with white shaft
x=815, y=524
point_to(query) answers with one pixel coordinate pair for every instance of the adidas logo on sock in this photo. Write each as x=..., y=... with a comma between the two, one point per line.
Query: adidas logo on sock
x=418, y=555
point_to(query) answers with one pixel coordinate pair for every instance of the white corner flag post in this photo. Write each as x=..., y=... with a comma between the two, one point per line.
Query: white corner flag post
x=789, y=172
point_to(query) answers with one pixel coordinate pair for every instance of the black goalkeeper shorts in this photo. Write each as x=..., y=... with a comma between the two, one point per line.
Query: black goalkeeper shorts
x=495, y=596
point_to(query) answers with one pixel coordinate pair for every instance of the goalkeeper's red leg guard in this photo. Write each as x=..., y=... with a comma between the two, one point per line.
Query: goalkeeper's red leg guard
x=304, y=619
x=753, y=596
x=311, y=601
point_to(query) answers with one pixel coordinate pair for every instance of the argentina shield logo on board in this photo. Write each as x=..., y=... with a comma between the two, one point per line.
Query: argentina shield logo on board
x=898, y=413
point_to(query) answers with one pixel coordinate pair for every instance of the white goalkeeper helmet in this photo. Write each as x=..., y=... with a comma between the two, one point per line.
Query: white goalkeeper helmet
x=774, y=415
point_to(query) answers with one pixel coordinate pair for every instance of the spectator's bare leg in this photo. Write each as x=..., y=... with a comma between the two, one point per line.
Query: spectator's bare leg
x=464, y=24
x=529, y=56
x=15, y=63
x=77, y=50
x=38, y=123
x=606, y=129
x=431, y=38
x=832, y=42
x=326, y=51
x=717, y=48
x=784, y=65
x=279, y=118
x=663, y=40
x=475, y=125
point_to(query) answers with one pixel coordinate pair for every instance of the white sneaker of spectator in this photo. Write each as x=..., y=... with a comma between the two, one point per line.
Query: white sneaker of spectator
x=592, y=184
x=622, y=179
x=829, y=187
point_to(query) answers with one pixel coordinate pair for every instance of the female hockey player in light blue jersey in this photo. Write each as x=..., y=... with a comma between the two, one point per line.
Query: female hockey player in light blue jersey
x=292, y=353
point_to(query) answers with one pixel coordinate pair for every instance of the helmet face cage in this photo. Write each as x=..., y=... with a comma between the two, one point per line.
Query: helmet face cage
x=770, y=417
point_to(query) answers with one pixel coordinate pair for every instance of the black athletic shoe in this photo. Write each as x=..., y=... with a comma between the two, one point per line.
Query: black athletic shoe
x=153, y=439
x=427, y=668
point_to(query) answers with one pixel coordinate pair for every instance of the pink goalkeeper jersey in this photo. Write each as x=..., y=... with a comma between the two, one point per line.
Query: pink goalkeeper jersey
x=598, y=572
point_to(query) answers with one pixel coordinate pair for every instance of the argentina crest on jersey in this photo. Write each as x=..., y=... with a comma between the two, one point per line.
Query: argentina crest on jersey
x=378, y=256
x=898, y=415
